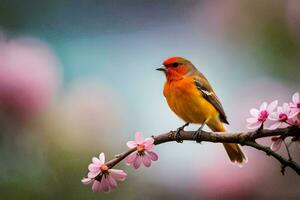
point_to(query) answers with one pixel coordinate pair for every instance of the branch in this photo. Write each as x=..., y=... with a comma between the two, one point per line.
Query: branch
x=242, y=138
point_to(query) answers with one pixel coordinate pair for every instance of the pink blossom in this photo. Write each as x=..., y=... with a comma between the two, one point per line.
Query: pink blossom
x=261, y=115
x=295, y=105
x=276, y=143
x=282, y=117
x=143, y=154
x=29, y=76
x=101, y=177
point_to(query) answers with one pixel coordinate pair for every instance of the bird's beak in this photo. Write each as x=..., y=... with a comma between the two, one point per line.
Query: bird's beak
x=163, y=69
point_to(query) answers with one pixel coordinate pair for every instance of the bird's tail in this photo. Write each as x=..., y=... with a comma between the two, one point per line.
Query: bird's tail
x=234, y=152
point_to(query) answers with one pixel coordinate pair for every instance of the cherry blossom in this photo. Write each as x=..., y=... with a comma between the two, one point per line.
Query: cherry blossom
x=261, y=115
x=101, y=177
x=295, y=105
x=143, y=154
x=276, y=143
x=283, y=117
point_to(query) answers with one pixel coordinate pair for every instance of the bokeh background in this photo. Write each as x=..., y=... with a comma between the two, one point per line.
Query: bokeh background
x=78, y=78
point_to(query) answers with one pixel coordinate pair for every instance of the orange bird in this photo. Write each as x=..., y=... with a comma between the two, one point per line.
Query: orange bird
x=192, y=98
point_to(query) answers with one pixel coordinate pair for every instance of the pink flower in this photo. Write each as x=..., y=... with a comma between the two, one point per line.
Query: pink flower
x=276, y=143
x=143, y=153
x=283, y=117
x=295, y=105
x=101, y=177
x=261, y=115
x=29, y=76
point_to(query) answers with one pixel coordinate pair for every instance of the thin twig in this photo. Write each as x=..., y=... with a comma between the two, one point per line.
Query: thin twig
x=287, y=150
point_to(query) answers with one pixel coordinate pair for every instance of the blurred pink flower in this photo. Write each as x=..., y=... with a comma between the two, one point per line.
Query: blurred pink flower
x=283, y=117
x=295, y=105
x=276, y=143
x=261, y=115
x=28, y=77
x=102, y=178
x=143, y=151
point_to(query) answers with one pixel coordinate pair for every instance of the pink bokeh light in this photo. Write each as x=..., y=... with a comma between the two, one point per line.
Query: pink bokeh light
x=29, y=77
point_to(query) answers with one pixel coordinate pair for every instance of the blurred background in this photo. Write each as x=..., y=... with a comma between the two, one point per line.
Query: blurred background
x=78, y=78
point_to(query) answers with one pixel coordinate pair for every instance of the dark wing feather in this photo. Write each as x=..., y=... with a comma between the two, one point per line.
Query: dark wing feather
x=208, y=93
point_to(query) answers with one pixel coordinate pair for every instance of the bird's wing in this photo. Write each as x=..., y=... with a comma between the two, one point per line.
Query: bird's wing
x=207, y=92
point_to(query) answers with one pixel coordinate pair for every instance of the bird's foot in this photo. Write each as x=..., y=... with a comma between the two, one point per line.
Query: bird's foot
x=196, y=135
x=178, y=136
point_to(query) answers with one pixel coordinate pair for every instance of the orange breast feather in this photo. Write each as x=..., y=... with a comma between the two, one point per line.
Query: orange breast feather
x=186, y=101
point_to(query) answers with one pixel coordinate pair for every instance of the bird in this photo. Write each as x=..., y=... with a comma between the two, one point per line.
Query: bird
x=191, y=97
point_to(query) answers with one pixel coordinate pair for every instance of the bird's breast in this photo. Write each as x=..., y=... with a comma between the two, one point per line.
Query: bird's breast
x=186, y=101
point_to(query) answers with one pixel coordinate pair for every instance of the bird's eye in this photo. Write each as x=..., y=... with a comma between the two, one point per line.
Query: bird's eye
x=175, y=64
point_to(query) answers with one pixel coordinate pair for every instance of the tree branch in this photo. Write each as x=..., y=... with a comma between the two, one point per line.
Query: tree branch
x=242, y=138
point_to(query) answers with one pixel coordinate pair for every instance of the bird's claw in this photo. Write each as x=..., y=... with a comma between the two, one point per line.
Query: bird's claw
x=196, y=136
x=178, y=136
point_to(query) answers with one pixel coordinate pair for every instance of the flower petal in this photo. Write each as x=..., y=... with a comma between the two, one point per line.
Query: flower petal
x=279, y=110
x=112, y=182
x=146, y=160
x=96, y=161
x=148, y=147
x=284, y=125
x=130, y=159
x=92, y=174
x=272, y=106
x=101, y=186
x=275, y=146
x=274, y=116
x=102, y=158
x=292, y=121
x=137, y=162
x=251, y=120
x=293, y=113
x=275, y=125
x=254, y=112
x=118, y=174
x=296, y=98
x=263, y=106
x=148, y=142
x=87, y=181
x=131, y=144
x=255, y=125
x=153, y=156
x=95, y=187
x=94, y=167
x=286, y=108
x=138, y=138
x=105, y=184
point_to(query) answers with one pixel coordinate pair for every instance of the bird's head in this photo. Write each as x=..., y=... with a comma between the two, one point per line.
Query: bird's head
x=177, y=68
